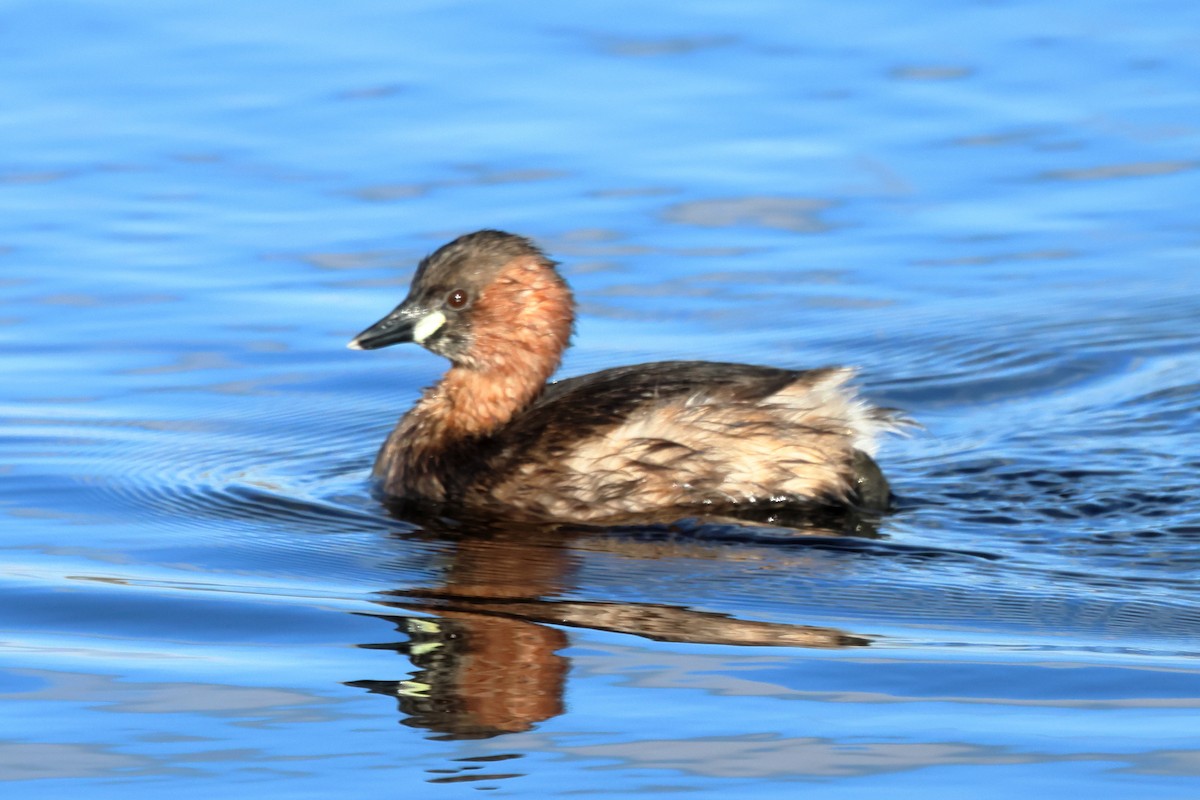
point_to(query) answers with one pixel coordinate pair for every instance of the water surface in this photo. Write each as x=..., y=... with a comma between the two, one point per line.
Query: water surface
x=988, y=207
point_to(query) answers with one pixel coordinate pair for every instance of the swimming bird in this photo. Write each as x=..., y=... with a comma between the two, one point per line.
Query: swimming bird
x=669, y=438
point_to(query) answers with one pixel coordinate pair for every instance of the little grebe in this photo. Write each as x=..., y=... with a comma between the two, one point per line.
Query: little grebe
x=695, y=437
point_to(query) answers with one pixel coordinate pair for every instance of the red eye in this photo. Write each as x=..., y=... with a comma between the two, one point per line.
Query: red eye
x=457, y=299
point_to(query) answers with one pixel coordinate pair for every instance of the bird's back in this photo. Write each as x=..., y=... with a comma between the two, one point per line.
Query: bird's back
x=684, y=435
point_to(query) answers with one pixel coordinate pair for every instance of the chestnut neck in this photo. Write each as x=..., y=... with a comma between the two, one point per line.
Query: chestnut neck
x=520, y=326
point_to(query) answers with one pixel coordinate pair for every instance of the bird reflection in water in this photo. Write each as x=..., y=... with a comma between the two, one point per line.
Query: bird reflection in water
x=485, y=643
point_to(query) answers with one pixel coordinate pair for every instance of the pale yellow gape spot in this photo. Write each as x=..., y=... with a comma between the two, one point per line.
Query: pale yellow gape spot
x=428, y=326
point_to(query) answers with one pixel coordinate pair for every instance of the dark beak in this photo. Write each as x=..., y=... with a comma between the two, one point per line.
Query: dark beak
x=395, y=328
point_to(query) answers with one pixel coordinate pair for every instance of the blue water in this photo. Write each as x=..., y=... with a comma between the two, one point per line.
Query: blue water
x=988, y=207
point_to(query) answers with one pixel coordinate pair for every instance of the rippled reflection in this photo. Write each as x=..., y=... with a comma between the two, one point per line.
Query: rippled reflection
x=487, y=659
